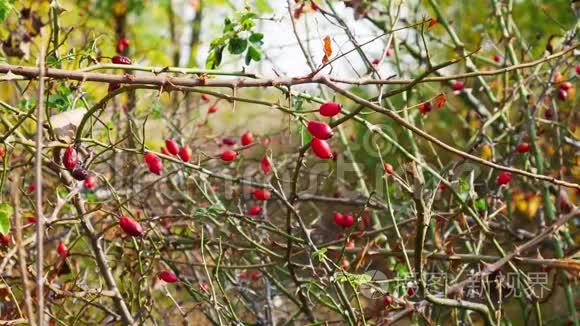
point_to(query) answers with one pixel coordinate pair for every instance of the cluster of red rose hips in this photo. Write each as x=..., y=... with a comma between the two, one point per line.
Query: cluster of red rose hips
x=72, y=163
x=344, y=221
x=564, y=89
x=322, y=131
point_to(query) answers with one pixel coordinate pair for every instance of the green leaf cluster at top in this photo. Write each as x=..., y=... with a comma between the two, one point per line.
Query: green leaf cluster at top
x=236, y=40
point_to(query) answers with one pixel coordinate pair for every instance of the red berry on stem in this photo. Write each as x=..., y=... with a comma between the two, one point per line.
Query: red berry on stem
x=121, y=60
x=212, y=109
x=497, y=58
x=376, y=61
x=578, y=69
x=167, y=276
x=130, y=226
x=458, y=85
x=504, y=178
x=185, y=153
x=389, y=52
x=320, y=129
x=5, y=239
x=388, y=168
x=32, y=219
x=549, y=113
x=338, y=219
x=321, y=148
x=523, y=148
x=247, y=138
x=425, y=108
x=61, y=249
x=562, y=94
x=255, y=275
x=2, y=152
x=348, y=221
x=153, y=163
x=90, y=182
x=69, y=159
x=31, y=187
x=262, y=194
x=329, y=109
x=172, y=146
x=254, y=210
x=388, y=300
x=80, y=173
x=229, y=155
x=205, y=97
x=228, y=141
x=566, y=85
x=265, y=165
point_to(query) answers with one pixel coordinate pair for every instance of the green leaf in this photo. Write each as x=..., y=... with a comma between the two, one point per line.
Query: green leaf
x=155, y=111
x=480, y=204
x=228, y=25
x=354, y=279
x=256, y=38
x=5, y=8
x=237, y=45
x=253, y=54
x=6, y=212
x=214, y=59
x=320, y=254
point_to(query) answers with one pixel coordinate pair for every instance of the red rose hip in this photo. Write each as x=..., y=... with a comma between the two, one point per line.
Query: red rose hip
x=262, y=194
x=562, y=94
x=130, y=226
x=121, y=60
x=321, y=148
x=329, y=109
x=504, y=178
x=69, y=159
x=228, y=141
x=348, y=221
x=61, y=249
x=229, y=155
x=254, y=210
x=5, y=239
x=172, y=146
x=388, y=168
x=167, y=276
x=247, y=138
x=265, y=165
x=185, y=153
x=320, y=130
x=153, y=163
x=90, y=182
x=523, y=148
x=338, y=219
x=458, y=85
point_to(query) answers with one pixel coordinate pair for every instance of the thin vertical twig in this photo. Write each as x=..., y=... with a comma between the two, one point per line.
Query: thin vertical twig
x=38, y=183
x=20, y=244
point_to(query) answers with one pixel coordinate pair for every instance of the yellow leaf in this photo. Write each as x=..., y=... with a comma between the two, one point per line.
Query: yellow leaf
x=440, y=101
x=327, y=49
x=486, y=152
